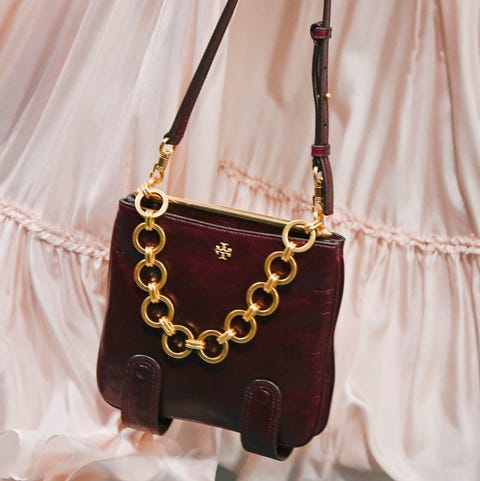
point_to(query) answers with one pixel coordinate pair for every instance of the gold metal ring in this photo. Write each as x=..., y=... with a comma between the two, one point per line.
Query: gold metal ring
x=251, y=320
x=143, y=263
x=161, y=238
x=290, y=260
x=215, y=359
x=275, y=298
x=153, y=192
x=169, y=350
x=169, y=315
x=304, y=225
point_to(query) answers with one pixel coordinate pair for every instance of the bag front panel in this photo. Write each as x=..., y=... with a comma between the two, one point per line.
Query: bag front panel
x=292, y=347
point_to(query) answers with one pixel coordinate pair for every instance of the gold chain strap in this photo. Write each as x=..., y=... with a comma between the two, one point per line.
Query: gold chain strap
x=154, y=289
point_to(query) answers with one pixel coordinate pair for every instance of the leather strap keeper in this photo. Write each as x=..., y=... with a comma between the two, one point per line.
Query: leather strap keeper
x=262, y=407
x=318, y=32
x=321, y=150
x=141, y=395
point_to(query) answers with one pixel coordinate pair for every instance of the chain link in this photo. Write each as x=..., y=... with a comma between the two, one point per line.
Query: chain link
x=254, y=307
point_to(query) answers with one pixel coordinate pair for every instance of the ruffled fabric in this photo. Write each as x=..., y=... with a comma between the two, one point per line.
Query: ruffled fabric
x=88, y=89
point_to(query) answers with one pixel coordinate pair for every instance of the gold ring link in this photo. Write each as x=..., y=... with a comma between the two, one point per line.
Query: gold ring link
x=160, y=282
x=275, y=298
x=251, y=320
x=169, y=350
x=291, y=261
x=298, y=223
x=157, y=229
x=170, y=311
x=224, y=345
x=151, y=193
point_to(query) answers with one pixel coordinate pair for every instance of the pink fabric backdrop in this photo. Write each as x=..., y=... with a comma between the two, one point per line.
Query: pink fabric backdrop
x=87, y=88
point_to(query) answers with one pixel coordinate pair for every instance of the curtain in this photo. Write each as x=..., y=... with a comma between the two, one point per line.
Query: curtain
x=87, y=90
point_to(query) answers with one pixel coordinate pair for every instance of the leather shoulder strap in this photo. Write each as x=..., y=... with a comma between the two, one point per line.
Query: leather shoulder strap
x=175, y=134
x=321, y=32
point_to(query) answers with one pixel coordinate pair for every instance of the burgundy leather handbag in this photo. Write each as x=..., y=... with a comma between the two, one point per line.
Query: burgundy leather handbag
x=220, y=316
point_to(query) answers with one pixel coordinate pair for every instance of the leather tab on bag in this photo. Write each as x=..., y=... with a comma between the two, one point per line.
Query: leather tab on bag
x=260, y=423
x=141, y=395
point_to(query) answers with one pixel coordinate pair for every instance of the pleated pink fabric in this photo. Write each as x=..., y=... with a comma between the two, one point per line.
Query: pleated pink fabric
x=86, y=91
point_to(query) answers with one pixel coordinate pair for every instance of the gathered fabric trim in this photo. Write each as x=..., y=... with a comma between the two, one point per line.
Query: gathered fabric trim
x=270, y=189
x=428, y=243
x=54, y=236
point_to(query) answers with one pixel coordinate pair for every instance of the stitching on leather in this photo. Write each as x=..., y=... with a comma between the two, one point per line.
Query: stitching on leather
x=246, y=410
x=274, y=405
x=428, y=243
x=273, y=408
x=154, y=386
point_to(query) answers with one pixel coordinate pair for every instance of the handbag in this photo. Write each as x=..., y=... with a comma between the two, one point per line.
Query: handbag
x=220, y=316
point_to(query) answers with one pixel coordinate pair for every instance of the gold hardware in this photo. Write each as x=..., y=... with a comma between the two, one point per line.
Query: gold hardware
x=291, y=261
x=223, y=251
x=167, y=326
x=215, y=359
x=226, y=336
x=149, y=256
x=250, y=319
x=271, y=283
x=158, y=170
x=154, y=292
x=317, y=207
x=328, y=95
x=157, y=229
x=161, y=299
x=194, y=344
x=286, y=231
x=171, y=352
x=239, y=214
x=137, y=274
x=251, y=312
x=149, y=213
x=273, y=292
x=269, y=287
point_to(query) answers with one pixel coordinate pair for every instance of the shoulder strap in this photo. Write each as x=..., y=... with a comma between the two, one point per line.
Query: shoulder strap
x=320, y=32
x=175, y=134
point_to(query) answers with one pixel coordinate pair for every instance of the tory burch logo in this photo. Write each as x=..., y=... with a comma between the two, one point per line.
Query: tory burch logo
x=223, y=251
